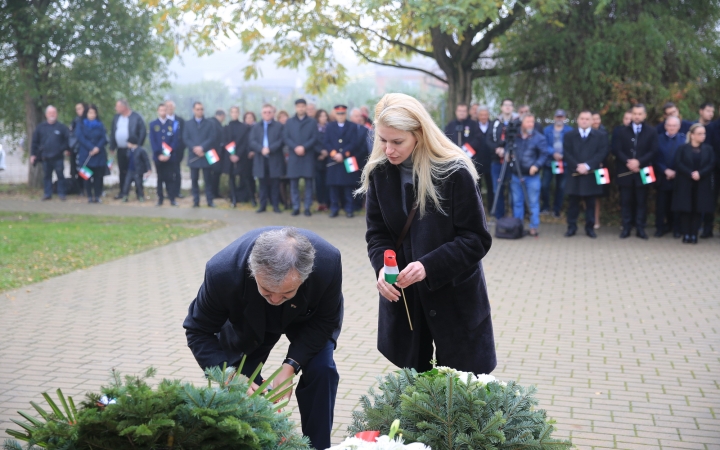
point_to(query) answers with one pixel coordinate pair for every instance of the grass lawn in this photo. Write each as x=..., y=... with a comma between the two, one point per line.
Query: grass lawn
x=34, y=247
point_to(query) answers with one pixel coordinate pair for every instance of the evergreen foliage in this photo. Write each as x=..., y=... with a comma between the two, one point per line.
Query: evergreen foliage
x=445, y=412
x=130, y=414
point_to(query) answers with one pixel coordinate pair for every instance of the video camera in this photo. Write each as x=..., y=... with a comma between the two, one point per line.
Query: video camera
x=512, y=129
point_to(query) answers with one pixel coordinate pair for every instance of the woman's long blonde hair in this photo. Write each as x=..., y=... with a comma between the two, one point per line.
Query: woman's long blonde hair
x=435, y=157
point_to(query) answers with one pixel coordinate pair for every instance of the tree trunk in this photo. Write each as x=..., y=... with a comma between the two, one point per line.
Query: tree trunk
x=459, y=90
x=32, y=119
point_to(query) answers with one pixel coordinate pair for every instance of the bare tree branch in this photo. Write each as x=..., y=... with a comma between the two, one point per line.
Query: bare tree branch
x=500, y=28
x=399, y=43
x=396, y=65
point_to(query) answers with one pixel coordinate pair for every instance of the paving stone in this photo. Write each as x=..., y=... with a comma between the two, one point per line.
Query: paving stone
x=620, y=336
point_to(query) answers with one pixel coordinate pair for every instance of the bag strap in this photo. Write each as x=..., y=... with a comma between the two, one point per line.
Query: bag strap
x=406, y=228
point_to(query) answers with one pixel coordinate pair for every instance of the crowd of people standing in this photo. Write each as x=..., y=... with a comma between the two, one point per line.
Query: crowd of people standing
x=558, y=162
x=318, y=155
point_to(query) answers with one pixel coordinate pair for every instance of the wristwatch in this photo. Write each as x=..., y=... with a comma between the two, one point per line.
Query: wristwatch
x=293, y=363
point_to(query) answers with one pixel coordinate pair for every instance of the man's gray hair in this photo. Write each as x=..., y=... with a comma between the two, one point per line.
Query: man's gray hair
x=673, y=118
x=49, y=107
x=483, y=108
x=278, y=252
x=124, y=102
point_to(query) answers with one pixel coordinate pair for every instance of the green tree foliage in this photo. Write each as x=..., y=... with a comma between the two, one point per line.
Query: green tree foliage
x=608, y=54
x=129, y=414
x=453, y=38
x=61, y=53
x=446, y=413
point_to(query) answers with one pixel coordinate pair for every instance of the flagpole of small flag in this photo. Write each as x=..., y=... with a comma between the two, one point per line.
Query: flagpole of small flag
x=84, y=170
x=391, y=273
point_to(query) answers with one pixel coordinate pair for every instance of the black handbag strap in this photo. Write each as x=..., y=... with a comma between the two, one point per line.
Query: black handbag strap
x=406, y=228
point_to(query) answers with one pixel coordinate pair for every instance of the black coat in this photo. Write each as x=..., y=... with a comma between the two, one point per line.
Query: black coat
x=591, y=151
x=142, y=161
x=136, y=129
x=467, y=131
x=453, y=297
x=347, y=141
x=484, y=152
x=228, y=316
x=683, y=191
x=203, y=134
x=178, y=129
x=276, y=159
x=219, y=145
x=301, y=132
x=625, y=148
x=50, y=140
x=237, y=132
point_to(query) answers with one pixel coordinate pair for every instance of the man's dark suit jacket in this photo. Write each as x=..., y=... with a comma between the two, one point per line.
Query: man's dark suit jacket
x=276, y=159
x=625, y=148
x=228, y=316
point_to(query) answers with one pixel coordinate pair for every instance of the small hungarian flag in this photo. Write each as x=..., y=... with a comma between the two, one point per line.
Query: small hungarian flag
x=467, y=148
x=85, y=172
x=647, y=174
x=391, y=268
x=602, y=176
x=351, y=165
x=558, y=167
x=166, y=149
x=109, y=164
x=230, y=148
x=212, y=156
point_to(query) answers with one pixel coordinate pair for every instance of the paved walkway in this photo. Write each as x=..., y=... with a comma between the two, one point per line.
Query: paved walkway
x=621, y=337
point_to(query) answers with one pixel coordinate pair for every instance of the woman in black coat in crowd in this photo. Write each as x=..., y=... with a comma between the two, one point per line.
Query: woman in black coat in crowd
x=322, y=194
x=693, y=191
x=92, y=139
x=415, y=171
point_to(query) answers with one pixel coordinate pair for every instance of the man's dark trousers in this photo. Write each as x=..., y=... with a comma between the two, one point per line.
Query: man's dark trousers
x=56, y=165
x=665, y=220
x=207, y=180
x=165, y=176
x=709, y=219
x=123, y=162
x=315, y=392
x=269, y=190
x=573, y=211
x=633, y=206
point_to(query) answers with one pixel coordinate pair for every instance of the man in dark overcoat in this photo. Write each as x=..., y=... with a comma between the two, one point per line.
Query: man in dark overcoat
x=463, y=130
x=635, y=148
x=343, y=142
x=274, y=281
x=266, y=144
x=201, y=138
x=236, y=136
x=584, y=150
x=301, y=135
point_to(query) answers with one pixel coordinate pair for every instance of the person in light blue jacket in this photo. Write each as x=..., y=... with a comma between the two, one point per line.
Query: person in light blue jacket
x=554, y=135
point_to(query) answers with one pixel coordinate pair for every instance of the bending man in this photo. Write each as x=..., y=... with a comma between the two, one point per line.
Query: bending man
x=274, y=281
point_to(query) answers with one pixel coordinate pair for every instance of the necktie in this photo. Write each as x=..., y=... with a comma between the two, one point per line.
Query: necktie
x=265, y=136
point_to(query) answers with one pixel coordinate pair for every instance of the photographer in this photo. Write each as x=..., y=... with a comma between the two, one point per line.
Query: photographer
x=496, y=142
x=530, y=154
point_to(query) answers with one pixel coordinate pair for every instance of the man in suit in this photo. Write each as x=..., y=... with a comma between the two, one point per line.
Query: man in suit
x=301, y=137
x=635, y=148
x=484, y=153
x=162, y=132
x=266, y=144
x=200, y=136
x=236, y=136
x=274, y=281
x=178, y=127
x=584, y=150
x=668, y=142
x=126, y=124
x=343, y=143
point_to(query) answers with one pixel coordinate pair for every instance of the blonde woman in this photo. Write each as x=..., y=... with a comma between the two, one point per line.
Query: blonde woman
x=418, y=181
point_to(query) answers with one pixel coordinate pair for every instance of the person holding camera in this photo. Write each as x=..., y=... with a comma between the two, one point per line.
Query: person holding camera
x=496, y=142
x=530, y=154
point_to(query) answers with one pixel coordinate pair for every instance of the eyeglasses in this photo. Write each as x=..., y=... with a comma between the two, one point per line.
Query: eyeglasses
x=340, y=113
